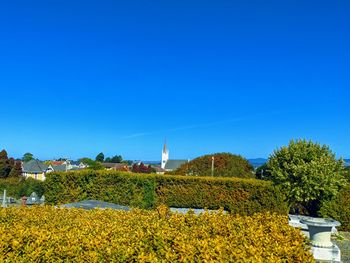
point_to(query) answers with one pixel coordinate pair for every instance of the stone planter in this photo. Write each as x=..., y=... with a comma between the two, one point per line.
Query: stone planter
x=320, y=234
x=320, y=231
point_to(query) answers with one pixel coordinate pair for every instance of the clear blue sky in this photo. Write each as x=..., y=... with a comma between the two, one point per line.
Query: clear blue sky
x=81, y=77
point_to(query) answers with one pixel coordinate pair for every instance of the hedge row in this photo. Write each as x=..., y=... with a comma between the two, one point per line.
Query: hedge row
x=46, y=234
x=243, y=196
x=339, y=208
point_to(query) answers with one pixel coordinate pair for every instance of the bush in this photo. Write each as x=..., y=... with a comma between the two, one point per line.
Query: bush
x=41, y=234
x=225, y=165
x=308, y=172
x=339, y=208
x=17, y=187
x=347, y=173
x=244, y=196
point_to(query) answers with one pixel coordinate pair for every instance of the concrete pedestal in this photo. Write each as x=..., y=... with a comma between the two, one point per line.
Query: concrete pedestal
x=326, y=254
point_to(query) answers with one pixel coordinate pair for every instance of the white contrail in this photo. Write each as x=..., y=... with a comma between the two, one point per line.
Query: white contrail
x=194, y=126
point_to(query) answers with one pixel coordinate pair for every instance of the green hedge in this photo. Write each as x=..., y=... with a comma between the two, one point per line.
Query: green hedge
x=339, y=208
x=18, y=187
x=243, y=196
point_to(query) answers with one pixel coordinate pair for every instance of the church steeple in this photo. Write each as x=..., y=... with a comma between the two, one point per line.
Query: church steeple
x=165, y=156
x=164, y=147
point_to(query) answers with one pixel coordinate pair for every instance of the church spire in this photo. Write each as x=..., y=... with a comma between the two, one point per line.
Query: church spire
x=164, y=147
x=165, y=155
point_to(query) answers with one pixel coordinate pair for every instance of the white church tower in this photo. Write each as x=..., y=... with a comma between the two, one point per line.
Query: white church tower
x=165, y=156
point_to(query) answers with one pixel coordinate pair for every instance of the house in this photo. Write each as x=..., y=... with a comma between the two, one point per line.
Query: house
x=159, y=170
x=58, y=168
x=170, y=165
x=76, y=165
x=35, y=169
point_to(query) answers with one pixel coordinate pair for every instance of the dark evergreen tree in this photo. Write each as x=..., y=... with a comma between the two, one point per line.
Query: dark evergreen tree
x=100, y=157
x=27, y=157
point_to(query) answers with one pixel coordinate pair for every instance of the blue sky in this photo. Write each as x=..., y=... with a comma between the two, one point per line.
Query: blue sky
x=81, y=77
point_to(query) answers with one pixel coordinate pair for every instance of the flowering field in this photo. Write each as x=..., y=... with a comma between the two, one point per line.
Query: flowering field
x=40, y=234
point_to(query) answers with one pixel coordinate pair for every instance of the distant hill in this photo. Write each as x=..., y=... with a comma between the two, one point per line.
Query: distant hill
x=257, y=162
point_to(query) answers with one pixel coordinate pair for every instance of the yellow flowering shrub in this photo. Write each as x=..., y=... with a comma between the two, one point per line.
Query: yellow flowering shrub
x=48, y=234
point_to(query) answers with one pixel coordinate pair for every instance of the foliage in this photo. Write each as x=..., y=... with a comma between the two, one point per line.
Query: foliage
x=27, y=157
x=308, y=172
x=100, y=158
x=29, y=186
x=141, y=168
x=16, y=170
x=262, y=172
x=347, y=173
x=225, y=165
x=8, y=166
x=41, y=234
x=245, y=196
x=114, y=159
x=17, y=187
x=339, y=208
x=93, y=165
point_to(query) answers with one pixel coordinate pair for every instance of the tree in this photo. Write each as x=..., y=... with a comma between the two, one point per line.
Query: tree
x=16, y=170
x=5, y=165
x=142, y=169
x=27, y=157
x=225, y=165
x=100, y=158
x=117, y=159
x=114, y=159
x=347, y=173
x=308, y=172
x=94, y=165
x=262, y=172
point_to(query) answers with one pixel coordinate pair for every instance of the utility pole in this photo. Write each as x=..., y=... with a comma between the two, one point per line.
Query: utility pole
x=212, y=166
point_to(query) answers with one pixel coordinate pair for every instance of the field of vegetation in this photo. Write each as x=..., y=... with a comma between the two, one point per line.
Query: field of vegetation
x=40, y=234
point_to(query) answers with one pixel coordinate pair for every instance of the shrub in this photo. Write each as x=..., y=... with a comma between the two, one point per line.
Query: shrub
x=225, y=165
x=339, y=208
x=308, y=172
x=245, y=196
x=17, y=187
x=41, y=234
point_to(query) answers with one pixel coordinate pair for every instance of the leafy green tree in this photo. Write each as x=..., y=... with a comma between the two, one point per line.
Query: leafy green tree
x=347, y=173
x=94, y=165
x=100, y=158
x=114, y=159
x=308, y=172
x=225, y=165
x=117, y=159
x=27, y=157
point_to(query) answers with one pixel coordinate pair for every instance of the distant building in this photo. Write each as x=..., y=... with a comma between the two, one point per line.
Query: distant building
x=170, y=165
x=58, y=168
x=35, y=169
